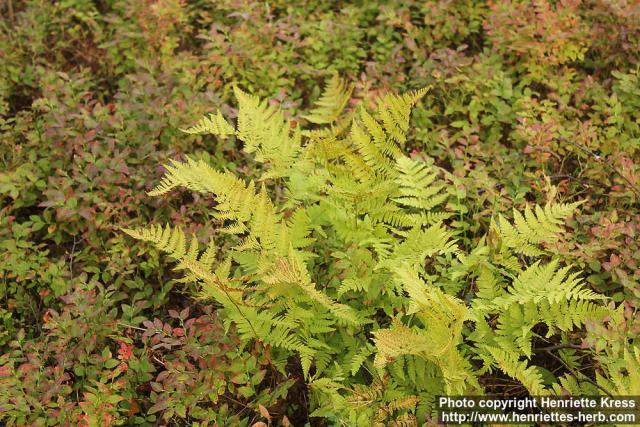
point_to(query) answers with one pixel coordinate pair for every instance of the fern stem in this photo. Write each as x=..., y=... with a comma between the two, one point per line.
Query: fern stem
x=241, y=313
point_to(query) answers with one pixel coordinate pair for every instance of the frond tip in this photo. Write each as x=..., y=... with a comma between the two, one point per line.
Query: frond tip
x=215, y=124
x=333, y=100
x=532, y=227
x=511, y=365
x=394, y=111
x=171, y=240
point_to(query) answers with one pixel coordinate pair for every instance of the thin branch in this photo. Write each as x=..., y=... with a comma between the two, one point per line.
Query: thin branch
x=158, y=360
x=608, y=165
x=72, y=254
x=10, y=10
x=559, y=347
x=584, y=378
x=131, y=326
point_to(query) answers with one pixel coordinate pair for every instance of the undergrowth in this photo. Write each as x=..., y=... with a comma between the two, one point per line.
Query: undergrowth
x=529, y=104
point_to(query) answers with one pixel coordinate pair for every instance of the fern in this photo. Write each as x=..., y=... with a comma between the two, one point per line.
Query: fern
x=532, y=227
x=623, y=373
x=539, y=283
x=394, y=111
x=371, y=155
x=348, y=263
x=291, y=271
x=215, y=124
x=420, y=244
x=527, y=375
x=335, y=97
x=171, y=240
x=265, y=132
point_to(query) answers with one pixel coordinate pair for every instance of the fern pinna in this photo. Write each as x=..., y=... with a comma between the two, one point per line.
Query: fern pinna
x=352, y=269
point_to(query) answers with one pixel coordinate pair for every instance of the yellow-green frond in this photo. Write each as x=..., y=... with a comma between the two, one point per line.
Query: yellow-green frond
x=215, y=124
x=171, y=240
x=395, y=110
x=334, y=98
x=417, y=185
x=532, y=227
x=196, y=175
x=265, y=131
x=529, y=376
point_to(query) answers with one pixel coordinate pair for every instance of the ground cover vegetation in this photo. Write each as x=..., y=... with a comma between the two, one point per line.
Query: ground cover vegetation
x=314, y=213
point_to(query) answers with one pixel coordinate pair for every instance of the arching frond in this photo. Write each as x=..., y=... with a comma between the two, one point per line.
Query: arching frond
x=215, y=124
x=529, y=376
x=394, y=111
x=334, y=98
x=265, y=131
x=417, y=186
x=533, y=227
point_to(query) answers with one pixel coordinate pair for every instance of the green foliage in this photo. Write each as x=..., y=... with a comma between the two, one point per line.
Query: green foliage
x=294, y=280
x=333, y=100
x=530, y=104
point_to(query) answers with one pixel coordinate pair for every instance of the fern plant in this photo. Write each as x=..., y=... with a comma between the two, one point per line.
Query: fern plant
x=341, y=255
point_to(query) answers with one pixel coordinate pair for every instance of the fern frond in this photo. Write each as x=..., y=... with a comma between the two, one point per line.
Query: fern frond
x=416, y=186
x=398, y=218
x=529, y=376
x=377, y=142
x=381, y=140
x=264, y=221
x=201, y=272
x=215, y=124
x=363, y=395
x=436, y=344
x=394, y=111
x=420, y=244
x=400, y=340
x=514, y=329
x=254, y=117
x=431, y=303
x=334, y=98
x=546, y=282
x=533, y=227
x=406, y=402
x=236, y=199
x=171, y=240
x=263, y=326
x=196, y=266
x=386, y=410
x=359, y=168
x=357, y=360
x=299, y=228
x=369, y=152
x=624, y=376
x=265, y=131
x=329, y=133
x=404, y=420
x=489, y=289
x=195, y=175
x=356, y=284
x=292, y=271
x=568, y=315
